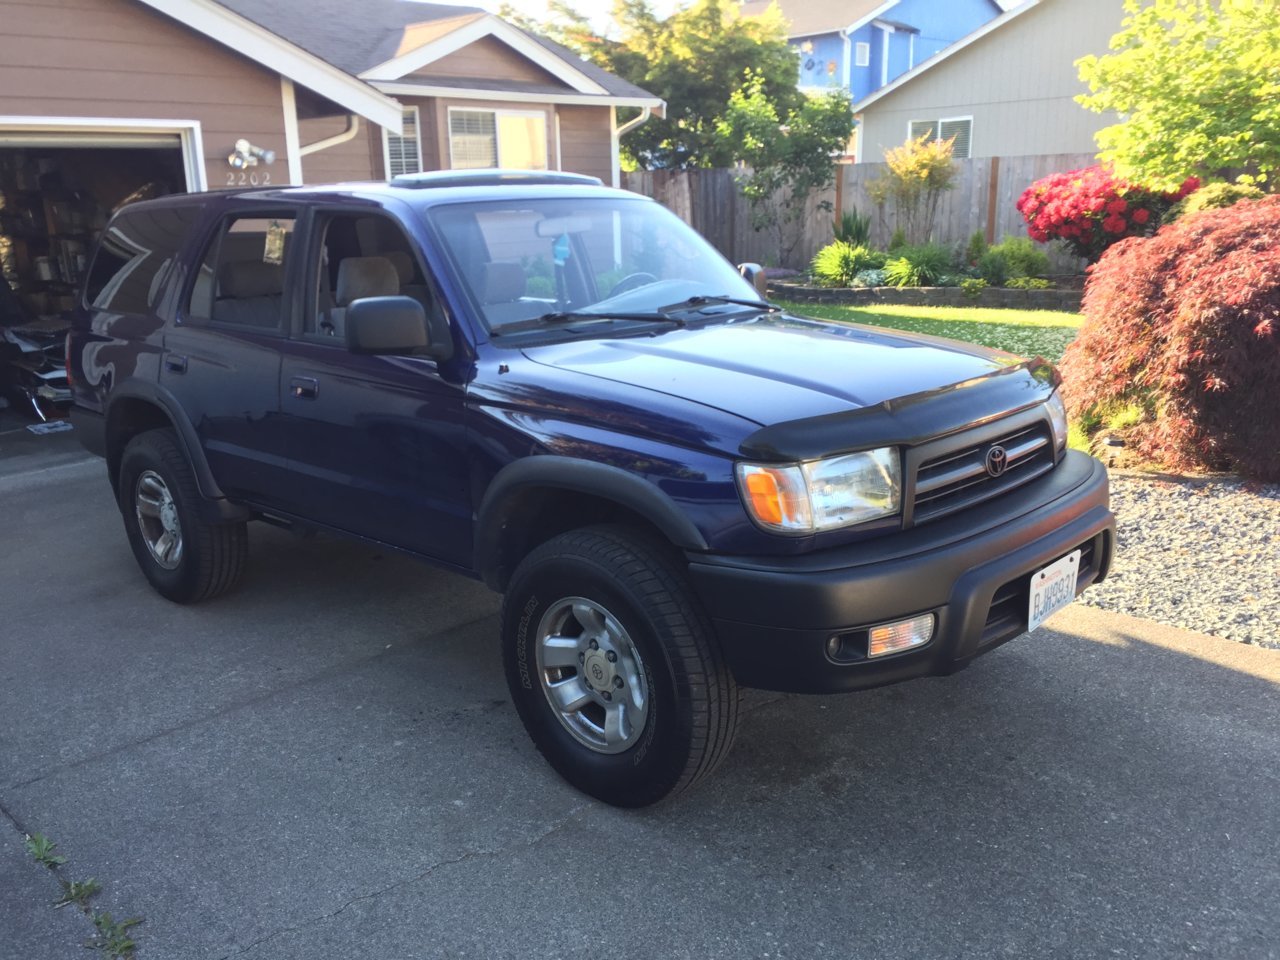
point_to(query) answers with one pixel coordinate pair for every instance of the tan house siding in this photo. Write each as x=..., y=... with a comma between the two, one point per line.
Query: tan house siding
x=488, y=58
x=119, y=59
x=584, y=141
x=360, y=158
x=1018, y=83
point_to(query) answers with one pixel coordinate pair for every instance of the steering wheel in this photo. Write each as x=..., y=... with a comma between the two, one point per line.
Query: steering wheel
x=631, y=281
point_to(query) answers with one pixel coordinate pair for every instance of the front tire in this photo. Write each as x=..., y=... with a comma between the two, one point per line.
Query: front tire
x=613, y=667
x=185, y=557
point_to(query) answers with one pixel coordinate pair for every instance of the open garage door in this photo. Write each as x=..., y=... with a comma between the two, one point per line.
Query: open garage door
x=58, y=188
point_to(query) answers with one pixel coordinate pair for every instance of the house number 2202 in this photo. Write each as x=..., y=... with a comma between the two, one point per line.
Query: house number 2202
x=247, y=178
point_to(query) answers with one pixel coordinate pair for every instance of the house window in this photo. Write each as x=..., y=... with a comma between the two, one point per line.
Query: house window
x=403, y=154
x=861, y=54
x=516, y=139
x=959, y=127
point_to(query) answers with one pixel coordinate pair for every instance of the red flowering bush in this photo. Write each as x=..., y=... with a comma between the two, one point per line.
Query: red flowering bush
x=1185, y=326
x=1090, y=209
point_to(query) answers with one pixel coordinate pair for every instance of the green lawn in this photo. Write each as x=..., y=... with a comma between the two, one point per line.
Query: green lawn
x=1028, y=333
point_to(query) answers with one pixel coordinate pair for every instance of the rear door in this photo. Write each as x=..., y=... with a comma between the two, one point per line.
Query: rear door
x=222, y=355
x=376, y=444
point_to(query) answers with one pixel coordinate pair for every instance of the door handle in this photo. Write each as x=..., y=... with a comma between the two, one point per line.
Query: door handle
x=175, y=363
x=304, y=388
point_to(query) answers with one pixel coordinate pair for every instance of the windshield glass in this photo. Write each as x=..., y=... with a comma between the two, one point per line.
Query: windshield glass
x=522, y=259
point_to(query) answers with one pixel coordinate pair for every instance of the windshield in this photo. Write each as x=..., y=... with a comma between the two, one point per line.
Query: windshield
x=522, y=259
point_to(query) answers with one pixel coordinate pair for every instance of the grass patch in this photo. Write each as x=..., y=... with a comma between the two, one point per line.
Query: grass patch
x=1028, y=333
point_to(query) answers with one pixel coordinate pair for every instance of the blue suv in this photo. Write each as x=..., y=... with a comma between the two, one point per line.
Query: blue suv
x=562, y=390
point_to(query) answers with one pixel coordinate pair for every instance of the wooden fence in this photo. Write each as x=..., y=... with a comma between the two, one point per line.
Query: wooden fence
x=711, y=203
x=984, y=198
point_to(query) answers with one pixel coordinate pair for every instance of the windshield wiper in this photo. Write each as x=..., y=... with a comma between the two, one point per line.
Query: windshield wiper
x=577, y=316
x=659, y=315
x=714, y=301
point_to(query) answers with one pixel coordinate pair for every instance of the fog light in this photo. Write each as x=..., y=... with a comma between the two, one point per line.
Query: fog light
x=903, y=635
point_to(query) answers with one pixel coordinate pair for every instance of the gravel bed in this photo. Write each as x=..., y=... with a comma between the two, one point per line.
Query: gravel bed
x=1203, y=554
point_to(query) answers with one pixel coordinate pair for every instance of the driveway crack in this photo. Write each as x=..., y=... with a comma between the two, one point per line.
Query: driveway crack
x=467, y=857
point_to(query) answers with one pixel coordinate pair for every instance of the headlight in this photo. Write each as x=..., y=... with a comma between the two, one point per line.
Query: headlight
x=823, y=494
x=1057, y=419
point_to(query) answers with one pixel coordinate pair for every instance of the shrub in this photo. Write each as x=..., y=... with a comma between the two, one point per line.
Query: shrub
x=1186, y=325
x=976, y=247
x=1213, y=196
x=973, y=287
x=870, y=278
x=1089, y=209
x=919, y=266
x=1027, y=283
x=993, y=268
x=854, y=228
x=1025, y=259
x=838, y=263
x=898, y=240
x=916, y=175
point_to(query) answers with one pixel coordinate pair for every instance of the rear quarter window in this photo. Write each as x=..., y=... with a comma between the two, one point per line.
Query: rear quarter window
x=135, y=257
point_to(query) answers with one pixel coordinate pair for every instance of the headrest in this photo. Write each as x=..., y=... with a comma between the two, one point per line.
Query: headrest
x=242, y=279
x=403, y=264
x=360, y=277
x=504, y=281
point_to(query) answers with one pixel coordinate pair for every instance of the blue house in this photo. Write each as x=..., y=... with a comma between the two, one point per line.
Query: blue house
x=863, y=45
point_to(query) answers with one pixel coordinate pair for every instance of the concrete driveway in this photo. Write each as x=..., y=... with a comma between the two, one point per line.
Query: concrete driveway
x=325, y=764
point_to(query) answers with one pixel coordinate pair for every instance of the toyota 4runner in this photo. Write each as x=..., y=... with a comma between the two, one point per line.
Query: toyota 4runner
x=564, y=391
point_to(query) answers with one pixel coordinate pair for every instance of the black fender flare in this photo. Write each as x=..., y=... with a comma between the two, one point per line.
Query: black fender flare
x=188, y=439
x=579, y=476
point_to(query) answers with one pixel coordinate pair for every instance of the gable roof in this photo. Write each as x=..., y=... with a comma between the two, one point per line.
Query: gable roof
x=350, y=51
x=989, y=27
x=809, y=18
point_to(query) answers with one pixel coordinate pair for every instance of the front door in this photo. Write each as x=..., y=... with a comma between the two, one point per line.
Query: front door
x=376, y=444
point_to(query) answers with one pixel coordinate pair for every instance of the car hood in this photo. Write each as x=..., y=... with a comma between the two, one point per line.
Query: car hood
x=775, y=369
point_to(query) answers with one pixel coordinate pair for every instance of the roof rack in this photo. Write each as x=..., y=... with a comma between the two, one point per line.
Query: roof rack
x=492, y=178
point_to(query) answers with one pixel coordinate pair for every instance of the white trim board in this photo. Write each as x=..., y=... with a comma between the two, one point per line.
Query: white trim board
x=282, y=57
x=190, y=138
x=945, y=53
x=470, y=32
x=515, y=96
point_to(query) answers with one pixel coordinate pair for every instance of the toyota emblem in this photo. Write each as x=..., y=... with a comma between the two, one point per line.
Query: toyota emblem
x=997, y=460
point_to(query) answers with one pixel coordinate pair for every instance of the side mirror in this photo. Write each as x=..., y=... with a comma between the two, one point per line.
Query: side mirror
x=753, y=273
x=392, y=325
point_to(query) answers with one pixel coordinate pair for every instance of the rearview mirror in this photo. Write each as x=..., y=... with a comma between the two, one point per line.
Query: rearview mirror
x=559, y=226
x=753, y=273
x=386, y=325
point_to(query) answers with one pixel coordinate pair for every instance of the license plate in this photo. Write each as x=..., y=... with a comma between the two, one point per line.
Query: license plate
x=1052, y=589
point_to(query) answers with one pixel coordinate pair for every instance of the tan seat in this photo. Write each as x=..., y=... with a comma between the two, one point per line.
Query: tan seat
x=359, y=277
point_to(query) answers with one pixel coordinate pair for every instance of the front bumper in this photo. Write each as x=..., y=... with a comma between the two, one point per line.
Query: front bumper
x=971, y=570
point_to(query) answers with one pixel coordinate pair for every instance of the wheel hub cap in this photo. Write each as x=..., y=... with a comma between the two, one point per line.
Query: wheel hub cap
x=157, y=515
x=592, y=675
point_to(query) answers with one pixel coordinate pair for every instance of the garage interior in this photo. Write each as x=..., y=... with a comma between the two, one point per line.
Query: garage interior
x=57, y=192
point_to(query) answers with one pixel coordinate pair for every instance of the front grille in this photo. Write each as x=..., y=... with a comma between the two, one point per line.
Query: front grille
x=959, y=478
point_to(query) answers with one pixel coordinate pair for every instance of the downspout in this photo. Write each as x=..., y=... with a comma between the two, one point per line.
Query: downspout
x=353, y=127
x=616, y=140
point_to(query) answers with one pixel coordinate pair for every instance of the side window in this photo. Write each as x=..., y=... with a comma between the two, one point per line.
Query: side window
x=361, y=256
x=135, y=257
x=241, y=277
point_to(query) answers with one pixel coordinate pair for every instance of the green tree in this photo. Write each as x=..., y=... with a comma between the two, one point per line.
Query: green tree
x=693, y=60
x=788, y=159
x=1197, y=85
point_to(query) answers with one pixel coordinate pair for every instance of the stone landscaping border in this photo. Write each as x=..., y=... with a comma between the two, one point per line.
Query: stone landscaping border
x=1065, y=300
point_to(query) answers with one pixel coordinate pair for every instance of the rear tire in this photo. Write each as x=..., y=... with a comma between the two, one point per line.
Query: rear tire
x=185, y=557
x=613, y=667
